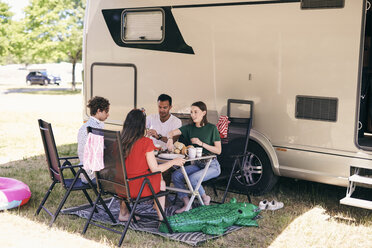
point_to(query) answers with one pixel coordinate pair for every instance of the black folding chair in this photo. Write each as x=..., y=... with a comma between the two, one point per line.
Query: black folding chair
x=56, y=172
x=234, y=147
x=113, y=180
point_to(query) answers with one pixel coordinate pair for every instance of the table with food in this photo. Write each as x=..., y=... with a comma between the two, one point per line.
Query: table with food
x=190, y=153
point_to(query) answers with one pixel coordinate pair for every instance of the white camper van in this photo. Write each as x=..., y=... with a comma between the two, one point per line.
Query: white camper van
x=306, y=65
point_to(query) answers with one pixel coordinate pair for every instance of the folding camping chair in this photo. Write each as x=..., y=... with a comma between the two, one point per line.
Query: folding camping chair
x=56, y=172
x=234, y=147
x=113, y=180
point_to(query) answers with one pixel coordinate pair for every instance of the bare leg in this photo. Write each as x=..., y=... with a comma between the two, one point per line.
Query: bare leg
x=124, y=213
x=161, y=200
x=185, y=202
x=206, y=199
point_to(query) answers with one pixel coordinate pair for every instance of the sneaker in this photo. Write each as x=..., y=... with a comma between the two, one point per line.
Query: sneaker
x=263, y=204
x=274, y=205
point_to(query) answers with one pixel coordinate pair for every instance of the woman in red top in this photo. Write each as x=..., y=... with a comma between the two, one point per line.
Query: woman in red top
x=140, y=160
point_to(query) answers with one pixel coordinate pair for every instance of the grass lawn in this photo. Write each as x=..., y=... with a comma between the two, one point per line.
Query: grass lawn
x=45, y=91
x=311, y=217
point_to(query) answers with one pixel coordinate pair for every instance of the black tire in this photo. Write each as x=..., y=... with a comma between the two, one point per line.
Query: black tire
x=256, y=174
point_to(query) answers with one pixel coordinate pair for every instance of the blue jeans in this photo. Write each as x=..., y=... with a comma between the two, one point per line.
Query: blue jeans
x=194, y=172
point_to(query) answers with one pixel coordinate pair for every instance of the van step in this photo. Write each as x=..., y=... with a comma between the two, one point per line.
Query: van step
x=356, y=202
x=360, y=179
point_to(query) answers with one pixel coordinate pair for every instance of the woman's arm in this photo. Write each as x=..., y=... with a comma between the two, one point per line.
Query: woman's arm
x=154, y=166
x=216, y=149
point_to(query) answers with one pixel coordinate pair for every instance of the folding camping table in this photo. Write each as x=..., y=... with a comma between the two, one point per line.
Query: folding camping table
x=194, y=192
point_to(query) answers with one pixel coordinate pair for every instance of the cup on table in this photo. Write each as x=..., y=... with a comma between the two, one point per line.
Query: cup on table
x=199, y=152
x=191, y=152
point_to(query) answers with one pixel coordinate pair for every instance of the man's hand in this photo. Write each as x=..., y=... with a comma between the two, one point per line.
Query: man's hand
x=152, y=133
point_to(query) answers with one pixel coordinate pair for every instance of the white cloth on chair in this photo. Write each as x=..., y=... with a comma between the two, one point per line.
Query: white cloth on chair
x=93, y=153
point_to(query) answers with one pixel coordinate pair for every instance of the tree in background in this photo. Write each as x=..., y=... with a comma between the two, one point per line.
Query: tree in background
x=19, y=50
x=54, y=31
x=5, y=22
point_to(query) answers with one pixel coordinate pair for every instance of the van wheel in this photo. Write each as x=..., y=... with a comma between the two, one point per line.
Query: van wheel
x=255, y=174
x=28, y=82
x=45, y=82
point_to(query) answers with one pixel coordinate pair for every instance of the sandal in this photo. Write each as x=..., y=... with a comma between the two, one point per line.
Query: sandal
x=263, y=204
x=274, y=205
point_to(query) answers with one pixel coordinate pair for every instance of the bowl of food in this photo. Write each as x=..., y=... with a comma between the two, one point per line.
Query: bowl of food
x=157, y=149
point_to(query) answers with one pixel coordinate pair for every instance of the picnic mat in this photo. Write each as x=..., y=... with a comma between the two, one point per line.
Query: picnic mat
x=145, y=224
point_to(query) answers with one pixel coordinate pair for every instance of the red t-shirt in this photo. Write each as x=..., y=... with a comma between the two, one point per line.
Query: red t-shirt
x=136, y=165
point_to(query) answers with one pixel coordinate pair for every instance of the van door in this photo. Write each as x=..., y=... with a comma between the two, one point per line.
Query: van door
x=117, y=83
x=365, y=109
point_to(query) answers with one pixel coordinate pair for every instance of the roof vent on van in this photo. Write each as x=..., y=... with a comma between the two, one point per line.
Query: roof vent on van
x=316, y=108
x=319, y=4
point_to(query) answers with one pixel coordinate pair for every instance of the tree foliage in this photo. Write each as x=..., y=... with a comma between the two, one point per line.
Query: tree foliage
x=18, y=44
x=5, y=22
x=53, y=31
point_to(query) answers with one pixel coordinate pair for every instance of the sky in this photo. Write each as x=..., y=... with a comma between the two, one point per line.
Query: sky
x=17, y=7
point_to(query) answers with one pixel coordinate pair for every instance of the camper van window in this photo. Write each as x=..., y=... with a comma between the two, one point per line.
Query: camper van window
x=143, y=26
x=321, y=4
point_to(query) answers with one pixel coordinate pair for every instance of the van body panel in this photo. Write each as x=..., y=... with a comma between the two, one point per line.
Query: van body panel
x=269, y=52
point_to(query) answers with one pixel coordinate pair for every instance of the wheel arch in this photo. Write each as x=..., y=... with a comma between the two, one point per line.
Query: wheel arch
x=265, y=143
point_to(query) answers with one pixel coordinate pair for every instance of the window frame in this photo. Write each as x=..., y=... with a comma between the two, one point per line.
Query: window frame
x=122, y=33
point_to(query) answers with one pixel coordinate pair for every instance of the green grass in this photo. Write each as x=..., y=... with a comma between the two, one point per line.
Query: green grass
x=311, y=217
x=45, y=91
x=55, y=92
x=76, y=83
x=299, y=197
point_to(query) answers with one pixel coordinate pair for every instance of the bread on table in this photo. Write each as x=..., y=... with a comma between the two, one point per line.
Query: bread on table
x=178, y=145
x=184, y=150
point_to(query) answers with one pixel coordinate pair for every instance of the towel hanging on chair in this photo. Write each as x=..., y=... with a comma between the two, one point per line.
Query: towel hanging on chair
x=93, y=153
x=223, y=125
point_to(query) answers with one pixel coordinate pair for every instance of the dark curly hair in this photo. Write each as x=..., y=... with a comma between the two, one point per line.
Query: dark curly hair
x=98, y=103
x=165, y=97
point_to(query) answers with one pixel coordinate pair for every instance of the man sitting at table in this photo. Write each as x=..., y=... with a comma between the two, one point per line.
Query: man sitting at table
x=160, y=124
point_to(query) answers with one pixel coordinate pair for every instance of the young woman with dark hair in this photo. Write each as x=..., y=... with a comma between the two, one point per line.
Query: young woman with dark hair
x=202, y=134
x=140, y=160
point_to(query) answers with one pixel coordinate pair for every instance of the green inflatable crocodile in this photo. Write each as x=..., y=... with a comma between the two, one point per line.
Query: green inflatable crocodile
x=213, y=219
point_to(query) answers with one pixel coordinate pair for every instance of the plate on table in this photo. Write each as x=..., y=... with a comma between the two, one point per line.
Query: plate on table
x=170, y=155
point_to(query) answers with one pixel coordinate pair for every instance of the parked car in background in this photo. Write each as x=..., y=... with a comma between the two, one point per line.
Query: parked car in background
x=42, y=78
x=54, y=79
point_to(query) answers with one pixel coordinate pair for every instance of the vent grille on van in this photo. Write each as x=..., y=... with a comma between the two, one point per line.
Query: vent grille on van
x=316, y=108
x=316, y=4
